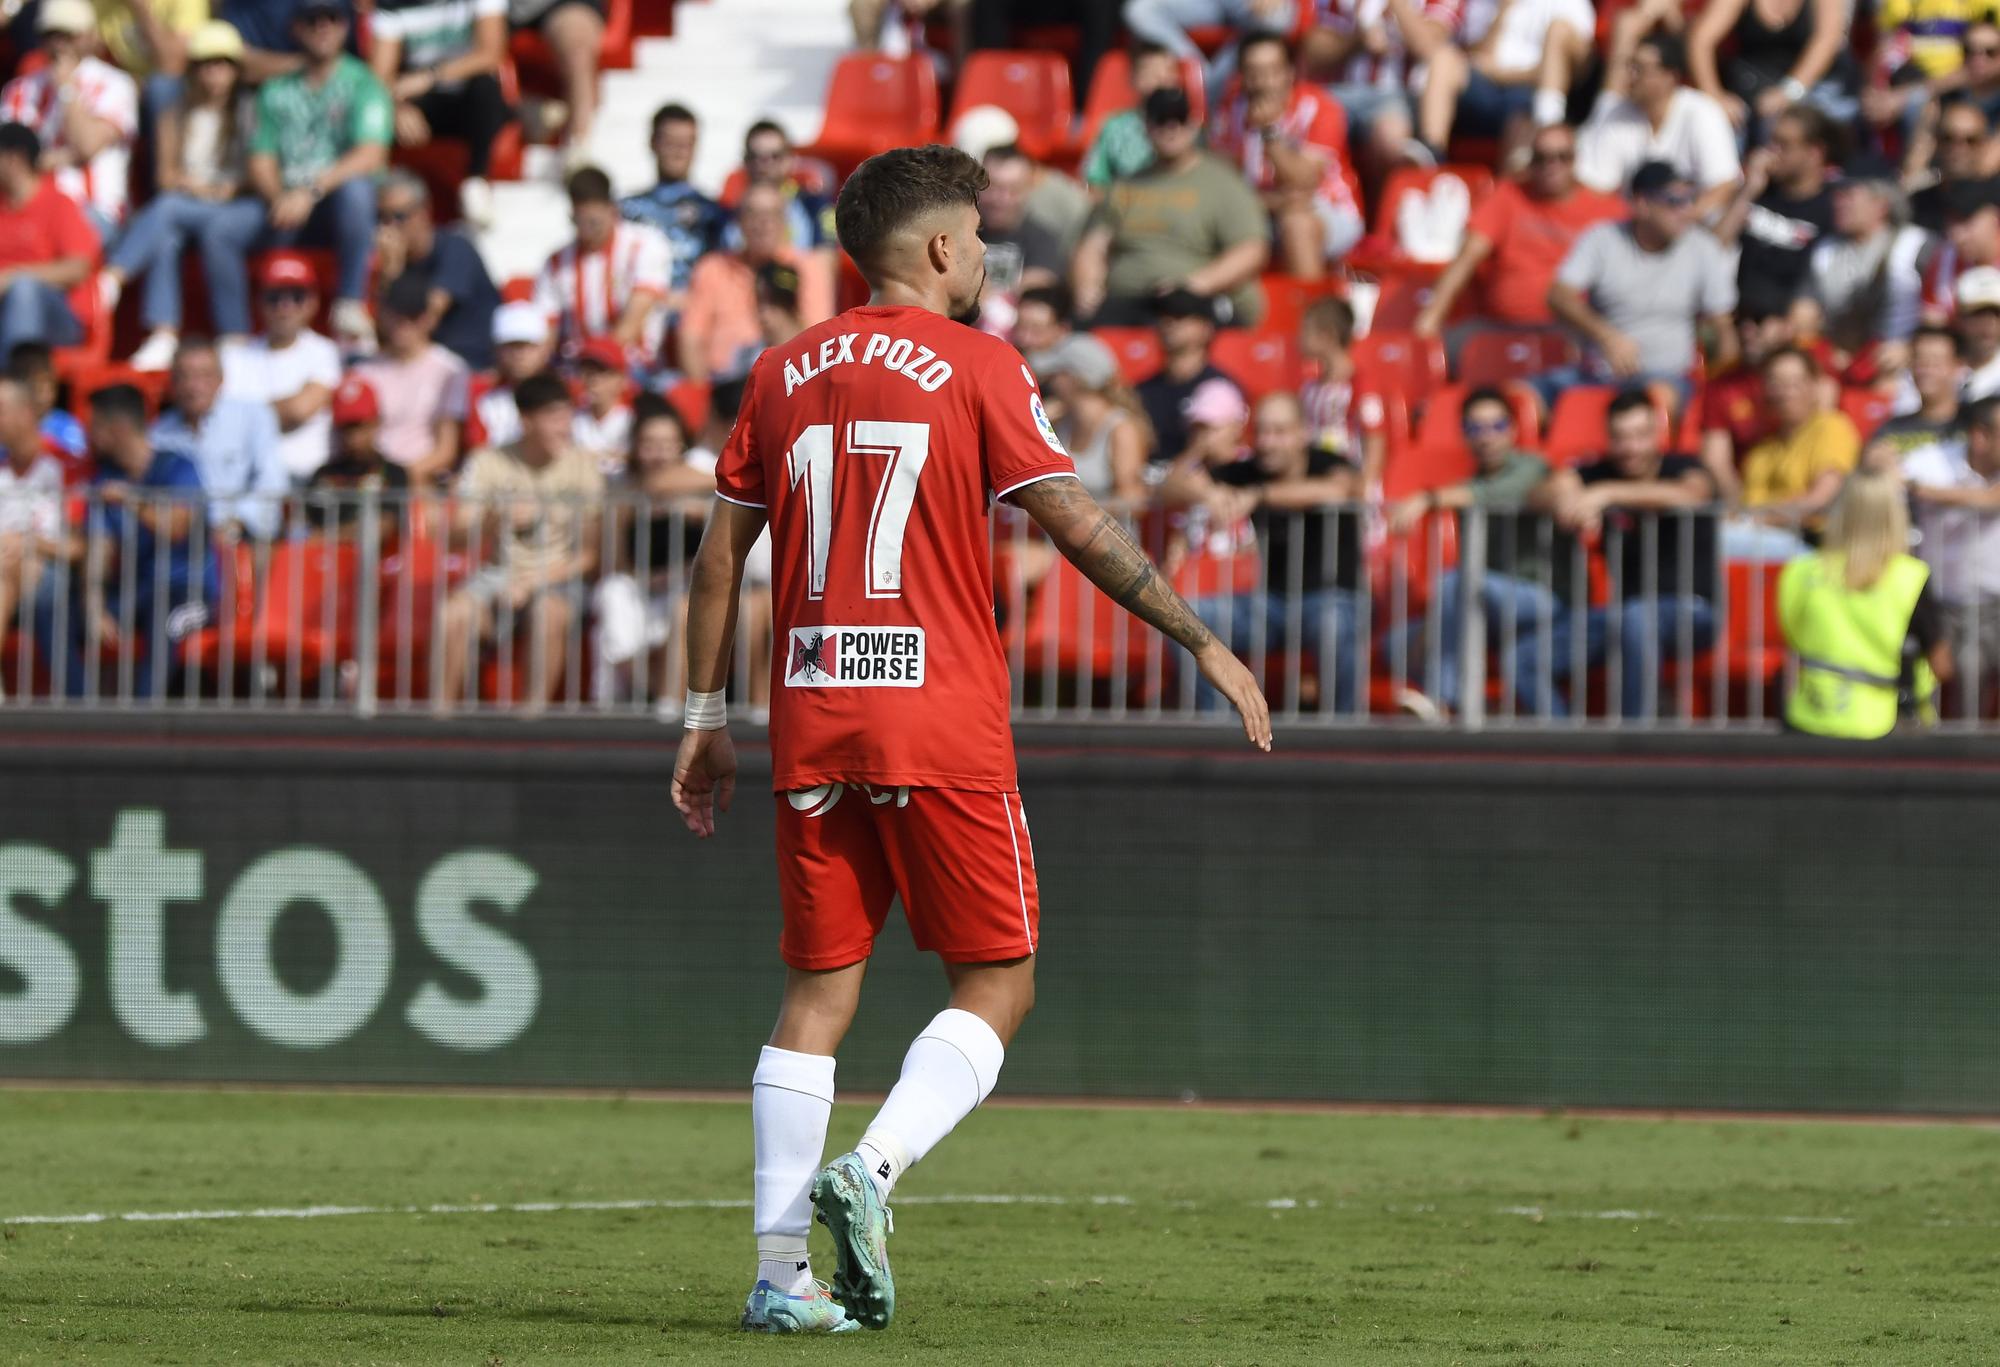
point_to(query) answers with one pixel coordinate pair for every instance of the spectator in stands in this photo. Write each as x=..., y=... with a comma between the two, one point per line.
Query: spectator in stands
x=641, y=606
x=611, y=280
x=1101, y=424
x=1310, y=599
x=1187, y=222
x=322, y=137
x=1932, y=403
x=232, y=443
x=290, y=367
x=1863, y=620
x=203, y=141
x=1290, y=139
x=421, y=387
x=1664, y=575
x=897, y=28
x=521, y=348
x=1121, y=148
x=1517, y=238
x=144, y=506
x=1979, y=331
x=1041, y=321
x=1972, y=233
x=441, y=61
x=1373, y=54
x=1791, y=477
x=357, y=467
x=1782, y=209
x=1926, y=50
x=1865, y=276
x=149, y=40
x=31, y=504
x=1021, y=253
x=1956, y=493
x=1165, y=23
x=1637, y=291
x=537, y=500
x=1515, y=597
x=33, y=364
x=463, y=296
x=1733, y=415
x=1782, y=54
x=1646, y=114
x=1186, y=323
x=1509, y=72
x=574, y=31
x=807, y=189
x=719, y=327
x=84, y=110
x=691, y=222
x=46, y=250
x=780, y=317
x=1962, y=133
x=1339, y=418
x=602, y=428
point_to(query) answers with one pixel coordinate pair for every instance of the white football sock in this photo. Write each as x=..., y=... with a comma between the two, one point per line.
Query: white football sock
x=949, y=1070
x=791, y=1099
x=1551, y=106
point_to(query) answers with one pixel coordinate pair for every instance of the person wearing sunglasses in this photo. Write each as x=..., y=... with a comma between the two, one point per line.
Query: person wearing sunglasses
x=289, y=366
x=1784, y=207
x=1961, y=143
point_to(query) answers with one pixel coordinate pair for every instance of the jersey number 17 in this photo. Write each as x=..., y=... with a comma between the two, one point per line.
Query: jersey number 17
x=906, y=446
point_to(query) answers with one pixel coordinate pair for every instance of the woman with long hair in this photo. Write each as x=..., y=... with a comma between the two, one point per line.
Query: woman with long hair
x=203, y=147
x=1860, y=616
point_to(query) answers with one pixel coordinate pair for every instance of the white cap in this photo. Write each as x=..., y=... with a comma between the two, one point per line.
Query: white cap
x=979, y=129
x=1979, y=288
x=66, y=16
x=520, y=321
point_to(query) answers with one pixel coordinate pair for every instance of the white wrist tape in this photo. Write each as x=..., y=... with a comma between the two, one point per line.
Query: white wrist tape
x=705, y=711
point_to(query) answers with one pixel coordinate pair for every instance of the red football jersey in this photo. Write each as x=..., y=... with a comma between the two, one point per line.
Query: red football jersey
x=877, y=442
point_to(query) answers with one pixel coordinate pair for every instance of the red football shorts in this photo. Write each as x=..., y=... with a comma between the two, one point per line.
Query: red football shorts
x=960, y=861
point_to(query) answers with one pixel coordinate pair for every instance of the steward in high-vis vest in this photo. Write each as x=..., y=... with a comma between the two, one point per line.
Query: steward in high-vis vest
x=1861, y=619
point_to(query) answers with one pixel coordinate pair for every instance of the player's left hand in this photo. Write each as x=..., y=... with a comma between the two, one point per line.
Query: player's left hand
x=704, y=778
x=1236, y=683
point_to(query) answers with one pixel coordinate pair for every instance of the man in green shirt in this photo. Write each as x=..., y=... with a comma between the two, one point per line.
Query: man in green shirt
x=1514, y=593
x=322, y=139
x=1189, y=221
x=1121, y=147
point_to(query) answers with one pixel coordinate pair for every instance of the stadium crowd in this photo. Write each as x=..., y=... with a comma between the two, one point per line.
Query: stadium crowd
x=1319, y=282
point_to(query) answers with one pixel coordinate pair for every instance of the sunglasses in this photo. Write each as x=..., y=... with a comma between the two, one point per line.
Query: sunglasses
x=1961, y=139
x=1491, y=427
x=1562, y=158
x=286, y=296
x=1674, y=199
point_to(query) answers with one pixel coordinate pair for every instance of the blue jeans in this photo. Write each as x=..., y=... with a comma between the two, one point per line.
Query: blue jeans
x=31, y=311
x=150, y=628
x=1166, y=22
x=1327, y=619
x=152, y=247
x=345, y=222
x=1649, y=633
x=1511, y=605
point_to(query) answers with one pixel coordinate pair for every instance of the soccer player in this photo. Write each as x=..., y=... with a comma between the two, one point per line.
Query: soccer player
x=872, y=444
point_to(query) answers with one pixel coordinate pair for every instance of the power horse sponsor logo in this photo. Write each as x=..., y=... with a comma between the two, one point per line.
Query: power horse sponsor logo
x=855, y=657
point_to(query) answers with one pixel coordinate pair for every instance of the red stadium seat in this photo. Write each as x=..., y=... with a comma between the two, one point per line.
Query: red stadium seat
x=1111, y=93
x=1075, y=629
x=1577, y=427
x=1401, y=298
x=1260, y=362
x=1496, y=357
x=1399, y=363
x=874, y=103
x=1032, y=86
x=690, y=399
x=1868, y=408
x=1439, y=455
x=1137, y=349
x=311, y=589
x=225, y=641
x=1389, y=244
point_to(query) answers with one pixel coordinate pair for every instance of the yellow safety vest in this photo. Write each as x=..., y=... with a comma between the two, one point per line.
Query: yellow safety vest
x=1849, y=644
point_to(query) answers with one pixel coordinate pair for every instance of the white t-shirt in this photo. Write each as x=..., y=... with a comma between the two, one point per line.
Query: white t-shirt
x=1982, y=383
x=1961, y=545
x=1523, y=27
x=31, y=502
x=252, y=370
x=605, y=438
x=1618, y=139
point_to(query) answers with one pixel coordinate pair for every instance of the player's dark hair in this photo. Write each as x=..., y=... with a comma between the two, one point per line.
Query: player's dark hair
x=1937, y=333
x=119, y=403
x=1625, y=402
x=766, y=126
x=537, y=392
x=17, y=139
x=1486, y=393
x=1056, y=298
x=896, y=188
x=1332, y=315
x=672, y=112
x=1791, y=353
x=1262, y=36
x=1669, y=48
x=588, y=185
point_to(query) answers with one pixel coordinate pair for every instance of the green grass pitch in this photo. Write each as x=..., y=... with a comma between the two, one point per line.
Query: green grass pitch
x=1236, y=1238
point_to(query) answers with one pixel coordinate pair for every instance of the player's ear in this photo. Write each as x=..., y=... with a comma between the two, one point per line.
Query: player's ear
x=940, y=250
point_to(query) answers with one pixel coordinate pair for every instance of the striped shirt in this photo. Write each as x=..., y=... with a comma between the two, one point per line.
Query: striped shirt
x=1313, y=122
x=587, y=292
x=105, y=91
x=1394, y=68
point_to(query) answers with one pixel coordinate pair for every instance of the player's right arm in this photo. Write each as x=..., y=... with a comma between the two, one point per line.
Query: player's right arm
x=1097, y=543
x=705, y=769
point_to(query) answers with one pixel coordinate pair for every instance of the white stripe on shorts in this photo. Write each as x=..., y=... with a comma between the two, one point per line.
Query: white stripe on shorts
x=1020, y=879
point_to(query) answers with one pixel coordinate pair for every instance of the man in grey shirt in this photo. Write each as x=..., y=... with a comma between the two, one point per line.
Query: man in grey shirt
x=1635, y=291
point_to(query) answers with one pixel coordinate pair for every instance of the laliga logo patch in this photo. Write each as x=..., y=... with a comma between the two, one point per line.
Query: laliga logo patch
x=1044, y=426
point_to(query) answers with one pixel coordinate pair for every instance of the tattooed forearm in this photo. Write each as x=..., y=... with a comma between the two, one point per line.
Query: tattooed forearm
x=1098, y=544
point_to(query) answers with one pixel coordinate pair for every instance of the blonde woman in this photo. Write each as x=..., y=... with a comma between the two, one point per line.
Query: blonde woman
x=1861, y=618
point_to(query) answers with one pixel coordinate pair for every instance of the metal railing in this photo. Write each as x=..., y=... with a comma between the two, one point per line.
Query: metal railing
x=370, y=603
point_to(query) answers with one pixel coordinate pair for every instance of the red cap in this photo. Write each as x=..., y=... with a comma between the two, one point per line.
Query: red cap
x=603, y=351
x=355, y=401
x=288, y=268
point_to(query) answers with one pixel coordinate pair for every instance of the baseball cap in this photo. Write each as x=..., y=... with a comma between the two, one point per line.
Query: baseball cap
x=1182, y=302
x=1964, y=198
x=1215, y=402
x=982, y=128
x=520, y=321
x=287, y=269
x=215, y=41
x=311, y=9
x=1168, y=105
x=1978, y=288
x=1081, y=355
x=66, y=16
x=355, y=401
x=602, y=351
x=1655, y=178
